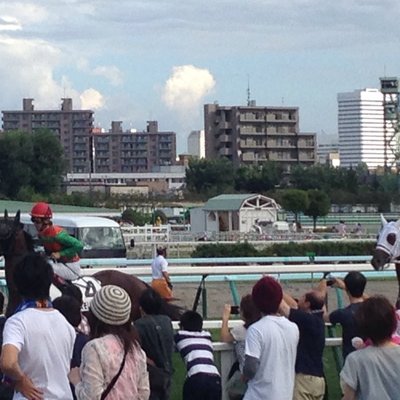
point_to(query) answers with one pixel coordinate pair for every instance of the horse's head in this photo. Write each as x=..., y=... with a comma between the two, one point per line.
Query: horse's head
x=388, y=244
x=8, y=229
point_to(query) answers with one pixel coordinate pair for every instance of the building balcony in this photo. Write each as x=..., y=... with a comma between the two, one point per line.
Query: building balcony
x=249, y=156
x=251, y=145
x=245, y=132
x=273, y=144
x=225, y=139
x=252, y=119
x=225, y=151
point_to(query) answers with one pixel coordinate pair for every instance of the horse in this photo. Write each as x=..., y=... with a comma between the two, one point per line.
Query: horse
x=388, y=249
x=15, y=243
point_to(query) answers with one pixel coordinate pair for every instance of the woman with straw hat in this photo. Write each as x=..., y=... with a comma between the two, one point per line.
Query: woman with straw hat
x=113, y=363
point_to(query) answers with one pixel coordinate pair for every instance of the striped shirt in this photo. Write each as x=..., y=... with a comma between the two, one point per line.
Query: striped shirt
x=197, y=352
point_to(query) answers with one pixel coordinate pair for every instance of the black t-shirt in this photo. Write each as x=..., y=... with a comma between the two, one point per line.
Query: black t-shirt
x=311, y=342
x=157, y=339
x=345, y=317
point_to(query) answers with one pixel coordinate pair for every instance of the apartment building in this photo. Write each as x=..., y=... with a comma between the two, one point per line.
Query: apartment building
x=252, y=134
x=119, y=151
x=72, y=127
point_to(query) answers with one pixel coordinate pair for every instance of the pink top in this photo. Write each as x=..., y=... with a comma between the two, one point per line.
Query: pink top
x=101, y=360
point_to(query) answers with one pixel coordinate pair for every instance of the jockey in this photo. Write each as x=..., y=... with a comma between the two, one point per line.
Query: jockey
x=62, y=248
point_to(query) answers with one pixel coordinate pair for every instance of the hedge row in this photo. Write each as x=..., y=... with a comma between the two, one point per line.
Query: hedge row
x=287, y=249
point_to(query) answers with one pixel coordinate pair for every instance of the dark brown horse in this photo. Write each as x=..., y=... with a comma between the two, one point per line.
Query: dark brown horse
x=15, y=243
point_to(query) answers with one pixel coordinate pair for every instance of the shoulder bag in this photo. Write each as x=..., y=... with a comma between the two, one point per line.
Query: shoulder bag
x=113, y=380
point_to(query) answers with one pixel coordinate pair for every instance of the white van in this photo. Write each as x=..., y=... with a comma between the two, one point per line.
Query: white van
x=101, y=237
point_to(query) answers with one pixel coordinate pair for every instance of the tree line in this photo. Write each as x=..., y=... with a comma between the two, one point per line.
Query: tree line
x=32, y=168
x=208, y=178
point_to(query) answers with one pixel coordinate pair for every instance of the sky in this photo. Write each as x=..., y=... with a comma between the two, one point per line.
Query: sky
x=140, y=60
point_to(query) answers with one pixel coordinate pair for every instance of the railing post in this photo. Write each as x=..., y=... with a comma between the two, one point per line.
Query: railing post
x=204, y=299
x=234, y=292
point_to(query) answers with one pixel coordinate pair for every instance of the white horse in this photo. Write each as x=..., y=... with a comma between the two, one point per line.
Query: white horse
x=387, y=249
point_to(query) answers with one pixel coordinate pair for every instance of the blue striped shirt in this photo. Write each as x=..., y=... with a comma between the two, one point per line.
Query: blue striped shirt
x=197, y=352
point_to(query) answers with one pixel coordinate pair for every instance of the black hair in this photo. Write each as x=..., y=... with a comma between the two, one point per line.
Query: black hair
x=191, y=321
x=316, y=302
x=151, y=302
x=73, y=291
x=69, y=307
x=355, y=283
x=250, y=312
x=376, y=319
x=161, y=251
x=1, y=302
x=126, y=333
x=33, y=276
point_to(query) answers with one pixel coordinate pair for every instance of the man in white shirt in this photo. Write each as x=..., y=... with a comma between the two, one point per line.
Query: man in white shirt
x=271, y=347
x=37, y=340
x=161, y=282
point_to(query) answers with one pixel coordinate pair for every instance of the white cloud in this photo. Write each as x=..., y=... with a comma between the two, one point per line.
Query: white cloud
x=186, y=87
x=8, y=23
x=92, y=99
x=26, y=13
x=111, y=73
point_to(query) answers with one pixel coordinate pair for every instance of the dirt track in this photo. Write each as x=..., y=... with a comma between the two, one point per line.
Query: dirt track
x=219, y=293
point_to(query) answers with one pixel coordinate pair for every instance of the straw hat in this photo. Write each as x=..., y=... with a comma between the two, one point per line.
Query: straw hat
x=111, y=305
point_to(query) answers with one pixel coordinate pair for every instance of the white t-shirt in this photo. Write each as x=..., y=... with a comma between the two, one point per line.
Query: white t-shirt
x=239, y=334
x=159, y=265
x=45, y=340
x=273, y=340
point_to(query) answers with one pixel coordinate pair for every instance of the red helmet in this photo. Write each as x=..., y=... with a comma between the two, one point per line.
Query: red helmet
x=41, y=210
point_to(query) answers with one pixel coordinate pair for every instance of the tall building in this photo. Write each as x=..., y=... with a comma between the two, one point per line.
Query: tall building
x=328, y=154
x=118, y=151
x=196, y=144
x=252, y=134
x=361, y=129
x=72, y=127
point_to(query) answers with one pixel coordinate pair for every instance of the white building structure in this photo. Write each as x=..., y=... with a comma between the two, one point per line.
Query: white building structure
x=196, y=144
x=234, y=212
x=328, y=154
x=361, y=129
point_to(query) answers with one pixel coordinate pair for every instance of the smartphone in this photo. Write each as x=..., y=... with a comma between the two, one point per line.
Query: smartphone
x=235, y=310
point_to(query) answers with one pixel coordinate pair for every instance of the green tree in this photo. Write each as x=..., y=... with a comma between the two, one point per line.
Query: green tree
x=30, y=164
x=210, y=177
x=135, y=217
x=258, y=178
x=318, y=206
x=49, y=164
x=295, y=200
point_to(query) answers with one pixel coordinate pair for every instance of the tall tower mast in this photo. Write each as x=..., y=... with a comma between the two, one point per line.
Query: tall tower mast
x=391, y=131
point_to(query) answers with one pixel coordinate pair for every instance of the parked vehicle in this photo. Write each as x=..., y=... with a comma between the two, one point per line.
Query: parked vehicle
x=101, y=237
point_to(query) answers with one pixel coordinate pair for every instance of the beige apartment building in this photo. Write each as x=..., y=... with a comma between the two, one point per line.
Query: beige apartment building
x=90, y=150
x=252, y=134
x=119, y=151
x=72, y=127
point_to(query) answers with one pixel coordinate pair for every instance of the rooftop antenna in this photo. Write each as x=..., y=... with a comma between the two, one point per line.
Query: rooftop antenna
x=248, y=90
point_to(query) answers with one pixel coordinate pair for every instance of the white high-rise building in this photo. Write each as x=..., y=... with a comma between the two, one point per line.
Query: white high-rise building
x=361, y=129
x=197, y=144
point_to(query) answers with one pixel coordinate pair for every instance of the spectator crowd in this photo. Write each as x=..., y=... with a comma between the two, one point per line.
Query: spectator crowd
x=47, y=353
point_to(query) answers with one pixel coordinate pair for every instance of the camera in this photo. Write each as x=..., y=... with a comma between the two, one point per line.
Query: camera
x=235, y=310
